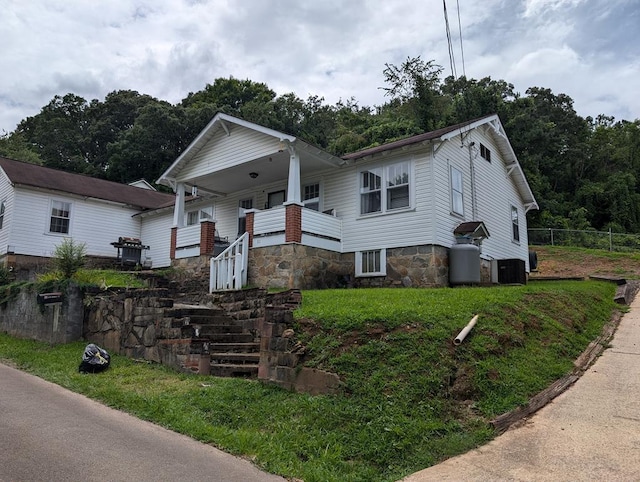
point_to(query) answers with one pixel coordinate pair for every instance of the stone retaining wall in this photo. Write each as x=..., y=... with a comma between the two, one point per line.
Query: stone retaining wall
x=22, y=316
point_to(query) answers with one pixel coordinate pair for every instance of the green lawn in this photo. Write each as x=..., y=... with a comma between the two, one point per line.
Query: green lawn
x=410, y=398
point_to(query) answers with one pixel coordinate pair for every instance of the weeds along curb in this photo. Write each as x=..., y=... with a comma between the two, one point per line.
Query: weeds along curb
x=503, y=422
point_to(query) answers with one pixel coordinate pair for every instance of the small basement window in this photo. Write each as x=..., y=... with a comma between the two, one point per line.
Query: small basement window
x=371, y=263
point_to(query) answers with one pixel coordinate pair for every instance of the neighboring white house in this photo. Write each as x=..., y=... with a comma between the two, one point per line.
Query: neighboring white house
x=40, y=207
x=382, y=216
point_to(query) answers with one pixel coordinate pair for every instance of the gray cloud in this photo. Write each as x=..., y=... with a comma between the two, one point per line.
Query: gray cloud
x=332, y=48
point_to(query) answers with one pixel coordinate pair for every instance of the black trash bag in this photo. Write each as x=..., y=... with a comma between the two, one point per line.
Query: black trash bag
x=94, y=359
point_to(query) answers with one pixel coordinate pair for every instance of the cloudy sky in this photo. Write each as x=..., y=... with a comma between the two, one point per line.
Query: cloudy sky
x=336, y=49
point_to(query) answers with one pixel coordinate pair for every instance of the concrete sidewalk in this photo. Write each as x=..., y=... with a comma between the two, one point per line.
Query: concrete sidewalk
x=590, y=432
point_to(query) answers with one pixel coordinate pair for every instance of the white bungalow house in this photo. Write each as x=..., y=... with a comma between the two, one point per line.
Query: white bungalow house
x=297, y=216
x=40, y=207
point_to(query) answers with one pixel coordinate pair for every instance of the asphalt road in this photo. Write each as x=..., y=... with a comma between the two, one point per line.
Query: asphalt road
x=48, y=433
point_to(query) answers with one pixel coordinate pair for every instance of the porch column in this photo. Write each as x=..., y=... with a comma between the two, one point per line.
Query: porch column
x=293, y=223
x=293, y=187
x=178, y=210
x=174, y=243
x=207, y=237
x=250, y=217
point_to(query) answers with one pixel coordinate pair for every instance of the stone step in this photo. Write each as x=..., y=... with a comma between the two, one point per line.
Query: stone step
x=235, y=358
x=230, y=338
x=208, y=330
x=233, y=370
x=251, y=347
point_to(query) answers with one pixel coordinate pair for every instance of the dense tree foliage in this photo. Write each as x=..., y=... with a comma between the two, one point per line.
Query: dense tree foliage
x=585, y=173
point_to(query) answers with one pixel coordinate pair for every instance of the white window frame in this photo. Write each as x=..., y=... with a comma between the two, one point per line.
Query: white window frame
x=242, y=215
x=457, y=191
x=485, y=152
x=384, y=173
x=311, y=201
x=515, y=225
x=363, y=271
x=3, y=208
x=196, y=216
x=69, y=217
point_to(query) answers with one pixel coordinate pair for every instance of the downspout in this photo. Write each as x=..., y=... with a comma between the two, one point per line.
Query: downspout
x=472, y=173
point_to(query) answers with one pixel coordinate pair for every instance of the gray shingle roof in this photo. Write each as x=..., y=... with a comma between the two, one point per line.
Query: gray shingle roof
x=32, y=175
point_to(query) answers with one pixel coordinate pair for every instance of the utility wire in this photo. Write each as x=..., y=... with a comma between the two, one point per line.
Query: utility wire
x=464, y=73
x=452, y=61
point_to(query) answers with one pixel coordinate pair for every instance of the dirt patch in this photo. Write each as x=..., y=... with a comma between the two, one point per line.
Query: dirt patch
x=559, y=262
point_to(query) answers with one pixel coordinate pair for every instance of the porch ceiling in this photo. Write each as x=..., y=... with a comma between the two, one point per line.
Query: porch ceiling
x=269, y=169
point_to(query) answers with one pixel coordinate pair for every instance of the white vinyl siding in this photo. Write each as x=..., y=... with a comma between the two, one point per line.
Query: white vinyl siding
x=496, y=193
x=406, y=227
x=224, y=151
x=7, y=197
x=156, y=233
x=94, y=223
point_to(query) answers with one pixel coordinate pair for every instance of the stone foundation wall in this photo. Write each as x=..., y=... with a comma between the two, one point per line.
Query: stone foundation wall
x=413, y=266
x=298, y=266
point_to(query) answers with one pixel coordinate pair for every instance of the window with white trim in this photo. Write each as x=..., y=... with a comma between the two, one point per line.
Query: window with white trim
x=515, y=224
x=2, y=209
x=485, y=153
x=385, y=189
x=197, y=215
x=311, y=196
x=60, y=217
x=371, y=263
x=457, y=189
x=242, y=216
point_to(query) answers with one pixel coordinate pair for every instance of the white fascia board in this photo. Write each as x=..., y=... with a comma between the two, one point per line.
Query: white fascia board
x=219, y=120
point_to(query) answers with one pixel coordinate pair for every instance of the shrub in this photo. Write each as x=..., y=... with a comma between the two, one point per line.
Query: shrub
x=69, y=257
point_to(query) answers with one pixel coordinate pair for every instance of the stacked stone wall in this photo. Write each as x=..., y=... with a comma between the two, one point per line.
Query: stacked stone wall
x=297, y=266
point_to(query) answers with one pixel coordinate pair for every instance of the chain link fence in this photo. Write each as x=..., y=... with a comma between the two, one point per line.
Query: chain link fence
x=586, y=239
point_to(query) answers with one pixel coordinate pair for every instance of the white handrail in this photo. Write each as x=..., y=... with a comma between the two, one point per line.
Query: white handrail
x=228, y=270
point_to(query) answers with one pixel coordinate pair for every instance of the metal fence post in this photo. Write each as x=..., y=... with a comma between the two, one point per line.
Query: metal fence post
x=610, y=241
x=551, y=231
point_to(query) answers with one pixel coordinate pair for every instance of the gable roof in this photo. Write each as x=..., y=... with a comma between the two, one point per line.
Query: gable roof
x=227, y=123
x=39, y=177
x=440, y=135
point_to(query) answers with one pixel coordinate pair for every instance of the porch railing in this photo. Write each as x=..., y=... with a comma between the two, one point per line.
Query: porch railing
x=188, y=241
x=228, y=270
x=318, y=229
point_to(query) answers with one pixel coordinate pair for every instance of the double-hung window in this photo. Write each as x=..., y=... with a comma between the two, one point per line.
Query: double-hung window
x=2, y=209
x=457, y=189
x=385, y=189
x=242, y=216
x=515, y=224
x=203, y=214
x=311, y=196
x=60, y=217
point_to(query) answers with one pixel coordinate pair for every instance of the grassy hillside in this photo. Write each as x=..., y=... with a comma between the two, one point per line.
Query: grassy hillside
x=410, y=398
